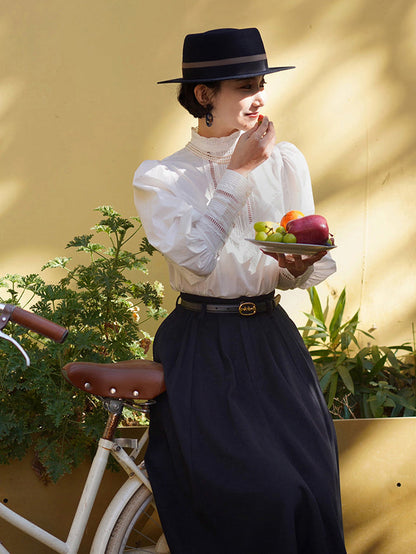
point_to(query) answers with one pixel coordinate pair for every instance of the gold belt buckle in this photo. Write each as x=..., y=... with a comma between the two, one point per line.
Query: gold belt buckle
x=247, y=308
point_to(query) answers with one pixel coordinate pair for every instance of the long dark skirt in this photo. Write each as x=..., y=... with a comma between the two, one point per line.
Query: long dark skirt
x=242, y=454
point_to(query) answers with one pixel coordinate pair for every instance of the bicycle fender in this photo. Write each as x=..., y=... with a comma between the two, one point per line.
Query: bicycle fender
x=112, y=514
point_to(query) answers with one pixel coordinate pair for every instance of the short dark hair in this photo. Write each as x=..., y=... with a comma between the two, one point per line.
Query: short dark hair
x=187, y=99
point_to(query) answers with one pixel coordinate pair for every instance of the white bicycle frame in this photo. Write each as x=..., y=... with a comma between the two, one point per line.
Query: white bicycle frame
x=136, y=479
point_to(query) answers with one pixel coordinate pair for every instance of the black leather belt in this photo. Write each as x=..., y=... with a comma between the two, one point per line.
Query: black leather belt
x=245, y=307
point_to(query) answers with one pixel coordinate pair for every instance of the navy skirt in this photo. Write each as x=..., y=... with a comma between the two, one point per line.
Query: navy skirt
x=242, y=454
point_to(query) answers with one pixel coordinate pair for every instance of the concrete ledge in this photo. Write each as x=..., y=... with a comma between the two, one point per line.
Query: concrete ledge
x=378, y=484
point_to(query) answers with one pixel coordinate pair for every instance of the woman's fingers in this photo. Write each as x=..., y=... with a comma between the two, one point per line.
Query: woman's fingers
x=253, y=148
x=259, y=130
x=296, y=264
x=264, y=131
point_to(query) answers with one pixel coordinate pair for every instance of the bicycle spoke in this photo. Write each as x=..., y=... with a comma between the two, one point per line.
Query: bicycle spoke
x=138, y=529
x=145, y=533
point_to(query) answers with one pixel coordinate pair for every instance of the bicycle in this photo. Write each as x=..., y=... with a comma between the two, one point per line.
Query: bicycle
x=130, y=522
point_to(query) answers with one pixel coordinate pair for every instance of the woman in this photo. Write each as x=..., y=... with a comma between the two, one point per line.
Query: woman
x=242, y=454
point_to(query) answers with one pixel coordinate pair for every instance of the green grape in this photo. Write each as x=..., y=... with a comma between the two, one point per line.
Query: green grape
x=261, y=235
x=266, y=226
x=289, y=237
x=280, y=229
x=275, y=237
x=260, y=226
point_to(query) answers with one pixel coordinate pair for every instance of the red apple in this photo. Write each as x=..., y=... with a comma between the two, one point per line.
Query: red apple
x=310, y=229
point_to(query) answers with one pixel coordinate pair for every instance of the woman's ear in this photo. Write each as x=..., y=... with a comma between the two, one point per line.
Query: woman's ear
x=203, y=94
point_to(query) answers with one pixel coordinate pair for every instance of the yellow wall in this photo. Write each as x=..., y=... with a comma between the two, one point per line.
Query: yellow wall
x=79, y=110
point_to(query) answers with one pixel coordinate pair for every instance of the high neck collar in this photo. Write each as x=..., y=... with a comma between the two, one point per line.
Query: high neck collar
x=216, y=149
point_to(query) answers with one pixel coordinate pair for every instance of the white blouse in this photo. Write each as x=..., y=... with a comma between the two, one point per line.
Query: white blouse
x=198, y=213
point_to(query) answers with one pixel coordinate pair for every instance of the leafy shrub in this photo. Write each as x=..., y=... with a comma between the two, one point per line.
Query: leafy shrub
x=358, y=381
x=101, y=304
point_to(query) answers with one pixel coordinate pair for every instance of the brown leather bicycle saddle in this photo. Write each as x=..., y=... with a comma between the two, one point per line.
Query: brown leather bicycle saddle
x=132, y=379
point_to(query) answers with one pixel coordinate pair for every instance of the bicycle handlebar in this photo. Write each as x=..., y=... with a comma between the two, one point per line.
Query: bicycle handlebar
x=33, y=322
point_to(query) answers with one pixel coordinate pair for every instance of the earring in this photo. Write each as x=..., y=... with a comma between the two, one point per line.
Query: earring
x=209, y=118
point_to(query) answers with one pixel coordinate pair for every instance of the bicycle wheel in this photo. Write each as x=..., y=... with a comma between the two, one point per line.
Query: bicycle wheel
x=138, y=529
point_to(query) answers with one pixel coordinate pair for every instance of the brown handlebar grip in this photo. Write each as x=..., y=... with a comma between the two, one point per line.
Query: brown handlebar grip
x=39, y=324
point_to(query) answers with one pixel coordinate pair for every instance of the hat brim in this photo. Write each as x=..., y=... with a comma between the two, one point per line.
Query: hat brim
x=228, y=78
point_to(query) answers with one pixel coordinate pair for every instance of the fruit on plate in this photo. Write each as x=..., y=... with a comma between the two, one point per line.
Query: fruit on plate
x=289, y=216
x=310, y=229
x=272, y=232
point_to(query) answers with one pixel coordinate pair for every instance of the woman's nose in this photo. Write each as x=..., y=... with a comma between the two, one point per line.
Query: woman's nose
x=259, y=98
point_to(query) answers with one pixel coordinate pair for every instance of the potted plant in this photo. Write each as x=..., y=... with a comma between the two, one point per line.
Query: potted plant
x=104, y=307
x=371, y=393
x=358, y=381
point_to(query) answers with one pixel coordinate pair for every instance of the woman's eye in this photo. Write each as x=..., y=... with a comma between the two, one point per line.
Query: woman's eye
x=251, y=86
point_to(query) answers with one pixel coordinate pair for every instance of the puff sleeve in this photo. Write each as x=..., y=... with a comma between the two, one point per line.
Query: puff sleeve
x=178, y=220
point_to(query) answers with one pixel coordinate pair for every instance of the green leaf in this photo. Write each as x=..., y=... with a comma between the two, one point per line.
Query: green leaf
x=375, y=352
x=316, y=304
x=380, y=398
x=376, y=410
x=394, y=362
x=79, y=241
x=107, y=211
x=145, y=246
x=325, y=380
x=336, y=320
x=398, y=399
x=378, y=366
x=364, y=407
x=332, y=390
x=319, y=325
x=346, y=378
x=56, y=262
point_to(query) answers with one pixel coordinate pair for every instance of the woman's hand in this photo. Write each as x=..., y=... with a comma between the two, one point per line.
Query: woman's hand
x=253, y=148
x=296, y=264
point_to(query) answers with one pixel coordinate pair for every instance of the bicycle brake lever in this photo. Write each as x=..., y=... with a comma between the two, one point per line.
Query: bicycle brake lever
x=17, y=345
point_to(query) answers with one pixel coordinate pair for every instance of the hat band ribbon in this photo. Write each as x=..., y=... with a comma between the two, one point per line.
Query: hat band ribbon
x=227, y=61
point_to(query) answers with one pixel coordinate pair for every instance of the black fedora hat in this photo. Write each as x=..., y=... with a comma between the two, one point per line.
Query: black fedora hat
x=223, y=54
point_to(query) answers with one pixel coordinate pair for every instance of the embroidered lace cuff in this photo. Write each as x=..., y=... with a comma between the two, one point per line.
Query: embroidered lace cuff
x=288, y=281
x=227, y=201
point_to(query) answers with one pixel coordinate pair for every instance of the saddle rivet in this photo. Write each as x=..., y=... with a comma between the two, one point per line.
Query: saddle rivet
x=113, y=390
x=87, y=386
x=135, y=393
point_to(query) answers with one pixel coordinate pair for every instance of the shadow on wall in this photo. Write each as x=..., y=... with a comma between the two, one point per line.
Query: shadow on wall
x=79, y=110
x=353, y=116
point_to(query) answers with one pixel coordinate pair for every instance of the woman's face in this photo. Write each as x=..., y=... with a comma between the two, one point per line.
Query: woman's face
x=237, y=105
